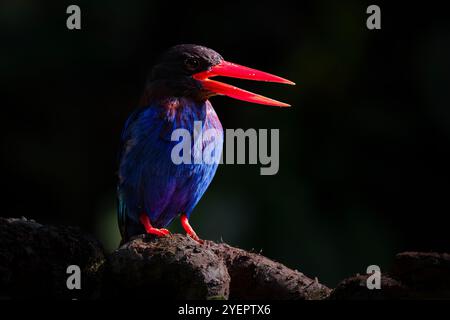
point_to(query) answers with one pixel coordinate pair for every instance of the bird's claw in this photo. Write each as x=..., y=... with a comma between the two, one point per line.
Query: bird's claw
x=158, y=232
x=189, y=231
x=152, y=230
x=165, y=231
x=194, y=237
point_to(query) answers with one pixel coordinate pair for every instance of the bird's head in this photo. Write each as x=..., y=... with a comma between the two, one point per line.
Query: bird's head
x=186, y=69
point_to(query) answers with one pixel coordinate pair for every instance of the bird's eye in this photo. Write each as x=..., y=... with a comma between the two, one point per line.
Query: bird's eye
x=191, y=64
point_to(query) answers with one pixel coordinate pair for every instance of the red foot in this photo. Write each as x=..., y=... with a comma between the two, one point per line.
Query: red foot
x=150, y=229
x=187, y=227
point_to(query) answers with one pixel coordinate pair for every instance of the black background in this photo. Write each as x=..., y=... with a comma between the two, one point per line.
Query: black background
x=364, y=150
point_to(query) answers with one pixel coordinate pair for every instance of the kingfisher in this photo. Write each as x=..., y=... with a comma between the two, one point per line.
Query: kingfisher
x=153, y=189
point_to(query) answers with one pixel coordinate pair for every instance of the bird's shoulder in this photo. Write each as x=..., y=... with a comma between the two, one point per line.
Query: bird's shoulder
x=146, y=139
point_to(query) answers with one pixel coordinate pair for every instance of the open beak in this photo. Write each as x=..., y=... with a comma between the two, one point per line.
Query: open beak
x=232, y=70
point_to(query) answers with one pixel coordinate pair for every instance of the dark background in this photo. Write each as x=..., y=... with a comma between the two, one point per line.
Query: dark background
x=364, y=150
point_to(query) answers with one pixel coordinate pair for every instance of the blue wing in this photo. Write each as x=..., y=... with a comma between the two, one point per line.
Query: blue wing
x=149, y=182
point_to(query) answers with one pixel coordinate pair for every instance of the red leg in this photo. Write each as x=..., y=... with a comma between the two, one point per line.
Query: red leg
x=187, y=227
x=150, y=229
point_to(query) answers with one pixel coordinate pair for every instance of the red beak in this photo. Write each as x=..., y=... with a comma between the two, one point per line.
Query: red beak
x=228, y=69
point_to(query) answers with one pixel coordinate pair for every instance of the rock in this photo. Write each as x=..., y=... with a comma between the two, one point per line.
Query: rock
x=254, y=276
x=34, y=260
x=414, y=275
x=355, y=288
x=174, y=267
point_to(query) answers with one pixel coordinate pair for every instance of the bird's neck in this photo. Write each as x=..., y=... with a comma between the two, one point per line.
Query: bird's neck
x=184, y=109
x=162, y=90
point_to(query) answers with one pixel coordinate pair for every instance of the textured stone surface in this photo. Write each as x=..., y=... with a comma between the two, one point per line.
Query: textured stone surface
x=34, y=260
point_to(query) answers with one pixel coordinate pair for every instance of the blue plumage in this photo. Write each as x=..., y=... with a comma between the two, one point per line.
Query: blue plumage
x=149, y=181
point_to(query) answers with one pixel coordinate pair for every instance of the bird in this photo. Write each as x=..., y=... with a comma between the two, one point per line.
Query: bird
x=152, y=190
